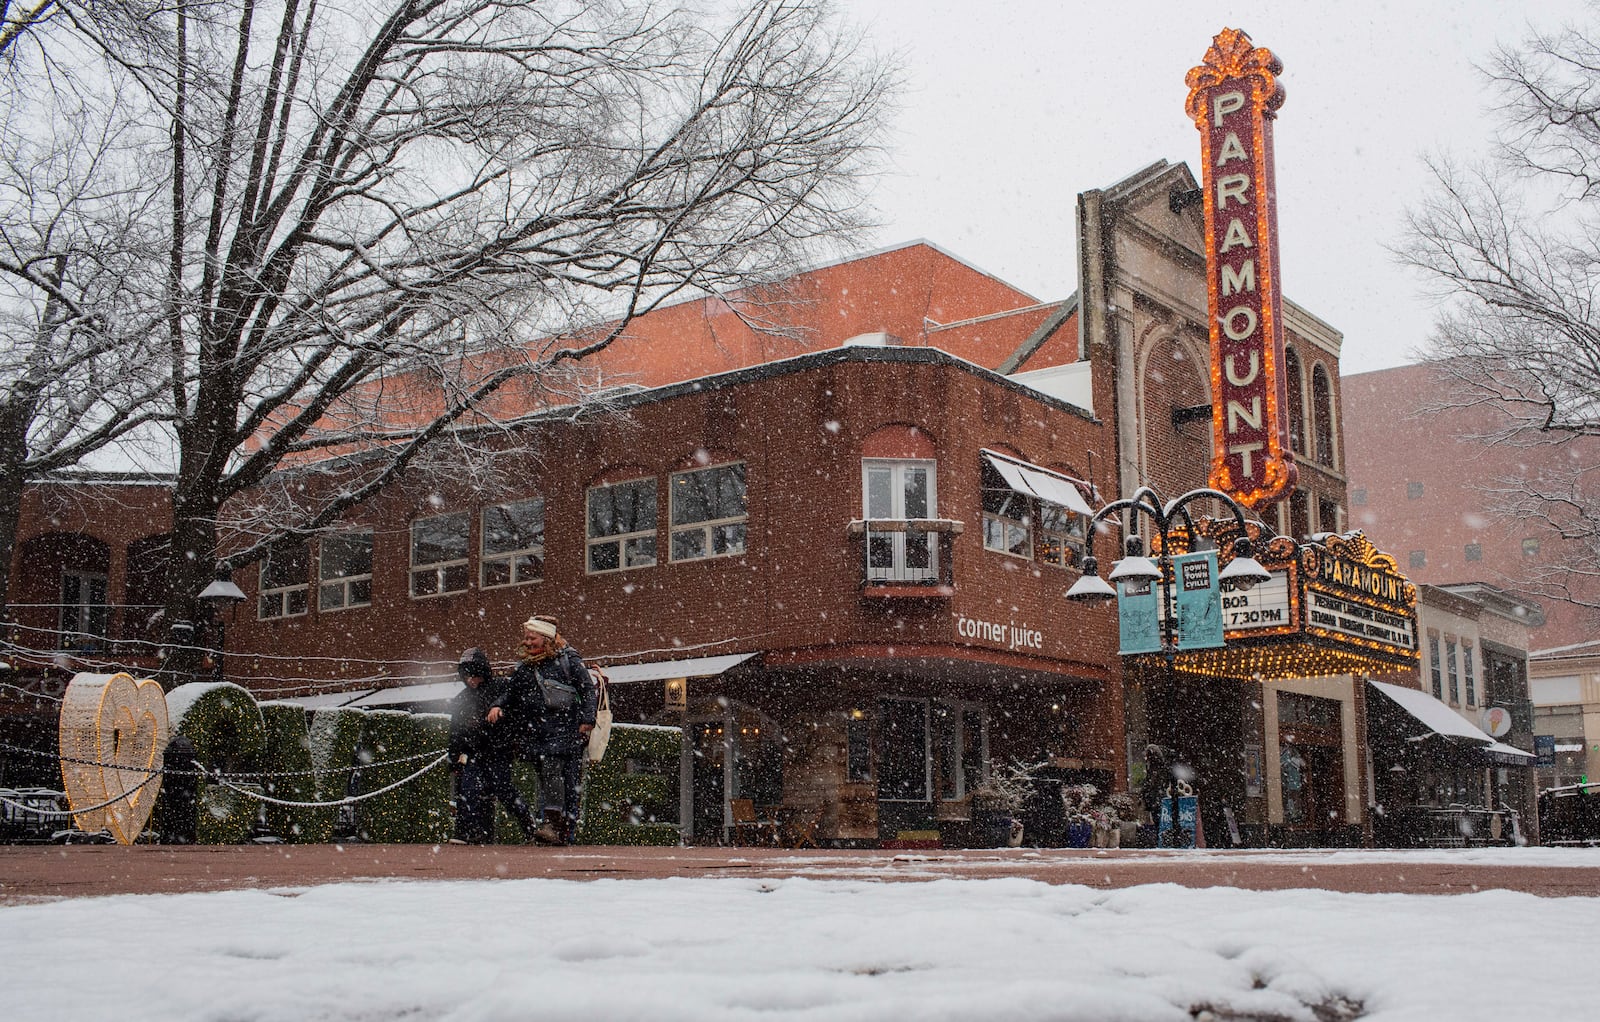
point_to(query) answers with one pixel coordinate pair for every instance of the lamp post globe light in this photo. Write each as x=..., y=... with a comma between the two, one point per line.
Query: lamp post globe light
x=221, y=593
x=1242, y=571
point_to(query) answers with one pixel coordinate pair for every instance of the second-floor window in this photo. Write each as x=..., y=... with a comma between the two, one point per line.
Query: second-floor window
x=85, y=617
x=439, y=555
x=708, y=512
x=896, y=492
x=513, y=543
x=344, y=571
x=1005, y=519
x=285, y=581
x=1435, y=667
x=622, y=526
x=1061, y=535
x=1469, y=674
x=1450, y=670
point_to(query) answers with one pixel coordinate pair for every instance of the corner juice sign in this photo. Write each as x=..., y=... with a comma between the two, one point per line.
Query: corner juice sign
x=1233, y=98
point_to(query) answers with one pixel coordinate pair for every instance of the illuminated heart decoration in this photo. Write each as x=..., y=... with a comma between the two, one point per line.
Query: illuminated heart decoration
x=113, y=734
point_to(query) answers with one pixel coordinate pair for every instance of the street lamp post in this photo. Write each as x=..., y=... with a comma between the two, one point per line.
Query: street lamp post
x=1243, y=571
x=222, y=592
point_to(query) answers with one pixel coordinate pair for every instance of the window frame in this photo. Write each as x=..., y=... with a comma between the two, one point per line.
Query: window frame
x=900, y=544
x=1073, y=541
x=343, y=583
x=1469, y=674
x=955, y=714
x=927, y=797
x=1451, y=671
x=85, y=636
x=707, y=527
x=439, y=569
x=1006, y=524
x=1435, y=667
x=622, y=540
x=509, y=557
x=283, y=594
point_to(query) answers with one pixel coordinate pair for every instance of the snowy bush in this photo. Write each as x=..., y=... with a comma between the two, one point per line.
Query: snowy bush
x=418, y=812
x=287, y=763
x=224, y=724
x=629, y=798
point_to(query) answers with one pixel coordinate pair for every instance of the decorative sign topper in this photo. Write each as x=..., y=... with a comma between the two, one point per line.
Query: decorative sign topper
x=113, y=736
x=1233, y=98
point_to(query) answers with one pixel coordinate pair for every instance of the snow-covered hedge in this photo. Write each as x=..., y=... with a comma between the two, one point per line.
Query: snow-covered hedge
x=418, y=812
x=288, y=757
x=627, y=797
x=225, y=725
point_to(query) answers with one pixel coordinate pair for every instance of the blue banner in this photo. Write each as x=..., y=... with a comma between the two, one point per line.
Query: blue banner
x=1188, y=814
x=1137, y=618
x=1199, y=600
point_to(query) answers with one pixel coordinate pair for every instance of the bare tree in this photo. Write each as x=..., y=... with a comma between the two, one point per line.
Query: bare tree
x=377, y=215
x=79, y=371
x=1514, y=249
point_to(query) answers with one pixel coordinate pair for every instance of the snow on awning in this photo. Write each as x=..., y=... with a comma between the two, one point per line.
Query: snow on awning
x=1508, y=755
x=322, y=701
x=695, y=667
x=1432, y=714
x=1032, y=481
x=431, y=692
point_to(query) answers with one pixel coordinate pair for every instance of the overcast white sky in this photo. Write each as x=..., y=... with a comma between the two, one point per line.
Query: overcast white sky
x=1014, y=108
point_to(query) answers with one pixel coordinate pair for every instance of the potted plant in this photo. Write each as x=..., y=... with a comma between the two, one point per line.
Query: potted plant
x=1079, y=801
x=997, y=803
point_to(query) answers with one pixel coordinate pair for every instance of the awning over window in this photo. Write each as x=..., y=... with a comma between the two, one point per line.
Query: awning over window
x=1032, y=481
x=1441, y=720
x=695, y=667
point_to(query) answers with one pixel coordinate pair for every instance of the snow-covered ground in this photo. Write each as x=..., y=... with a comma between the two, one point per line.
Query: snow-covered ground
x=806, y=948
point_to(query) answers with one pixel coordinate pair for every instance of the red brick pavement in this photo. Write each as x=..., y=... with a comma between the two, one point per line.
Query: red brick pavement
x=29, y=873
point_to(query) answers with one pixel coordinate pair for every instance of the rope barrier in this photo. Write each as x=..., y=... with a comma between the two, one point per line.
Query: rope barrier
x=57, y=814
x=347, y=801
x=239, y=775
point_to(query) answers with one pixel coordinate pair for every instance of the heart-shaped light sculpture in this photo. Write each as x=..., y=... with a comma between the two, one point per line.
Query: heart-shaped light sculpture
x=113, y=735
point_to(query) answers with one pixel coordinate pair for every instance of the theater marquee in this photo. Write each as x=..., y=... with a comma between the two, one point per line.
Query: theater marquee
x=1233, y=98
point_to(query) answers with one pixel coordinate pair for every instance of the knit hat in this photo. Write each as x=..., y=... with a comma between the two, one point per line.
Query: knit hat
x=475, y=661
x=540, y=625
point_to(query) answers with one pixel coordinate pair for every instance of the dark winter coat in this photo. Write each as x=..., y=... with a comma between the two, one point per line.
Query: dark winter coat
x=550, y=699
x=471, y=734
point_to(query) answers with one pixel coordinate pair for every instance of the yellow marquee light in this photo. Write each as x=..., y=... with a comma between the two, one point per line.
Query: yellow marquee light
x=113, y=735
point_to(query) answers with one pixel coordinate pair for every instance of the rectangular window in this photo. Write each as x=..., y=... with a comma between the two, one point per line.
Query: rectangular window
x=708, y=512
x=1413, y=491
x=1469, y=673
x=85, y=617
x=622, y=526
x=858, y=746
x=963, y=744
x=1419, y=558
x=344, y=571
x=1358, y=497
x=1061, y=535
x=1327, y=516
x=1472, y=552
x=899, y=491
x=1450, y=669
x=1530, y=547
x=1006, y=517
x=903, y=738
x=1435, y=667
x=439, y=555
x=512, y=544
x=285, y=589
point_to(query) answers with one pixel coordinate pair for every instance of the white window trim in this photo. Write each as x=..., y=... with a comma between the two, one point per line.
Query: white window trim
x=621, y=539
x=281, y=593
x=1469, y=678
x=705, y=527
x=485, y=558
x=344, y=582
x=899, y=569
x=1068, y=541
x=437, y=567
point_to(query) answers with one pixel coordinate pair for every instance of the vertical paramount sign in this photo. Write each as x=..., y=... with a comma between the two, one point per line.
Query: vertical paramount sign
x=1233, y=98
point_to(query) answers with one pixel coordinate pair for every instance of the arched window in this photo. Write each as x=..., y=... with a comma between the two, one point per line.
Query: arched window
x=1297, y=400
x=1322, y=404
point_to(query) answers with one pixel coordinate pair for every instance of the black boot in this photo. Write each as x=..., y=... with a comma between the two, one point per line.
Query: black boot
x=550, y=831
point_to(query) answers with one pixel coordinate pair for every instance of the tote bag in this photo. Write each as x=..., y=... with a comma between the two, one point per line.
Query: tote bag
x=602, y=722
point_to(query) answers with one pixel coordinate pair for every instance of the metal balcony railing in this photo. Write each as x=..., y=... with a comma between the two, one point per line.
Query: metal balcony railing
x=906, y=556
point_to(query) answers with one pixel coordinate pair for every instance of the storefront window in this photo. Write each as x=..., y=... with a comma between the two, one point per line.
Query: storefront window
x=903, y=765
x=961, y=734
x=858, y=746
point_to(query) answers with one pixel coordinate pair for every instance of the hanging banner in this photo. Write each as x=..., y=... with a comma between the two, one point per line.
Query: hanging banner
x=1199, y=600
x=1138, y=618
x=1233, y=98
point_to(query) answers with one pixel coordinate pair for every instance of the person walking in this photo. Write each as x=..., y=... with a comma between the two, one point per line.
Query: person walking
x=553, y=697
x=480, y=755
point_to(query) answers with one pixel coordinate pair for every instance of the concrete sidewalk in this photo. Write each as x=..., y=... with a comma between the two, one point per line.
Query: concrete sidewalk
x=44, y=872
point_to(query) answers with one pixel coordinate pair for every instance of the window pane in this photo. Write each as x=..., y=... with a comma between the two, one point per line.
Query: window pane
x=346, y=555
x=880, y=495
x=297, y=599
x=361, y=593
x=708, y=494
x=497, y=573
x=916, y=492
x=903, y=771
x=605, y=557
x=640, y=552
x=728, y=539
x=331, y=597
x=509, y=527
x=455, y=578
x=286, y=566
x=439, y=539
x=623, y=508
x=688, y=545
